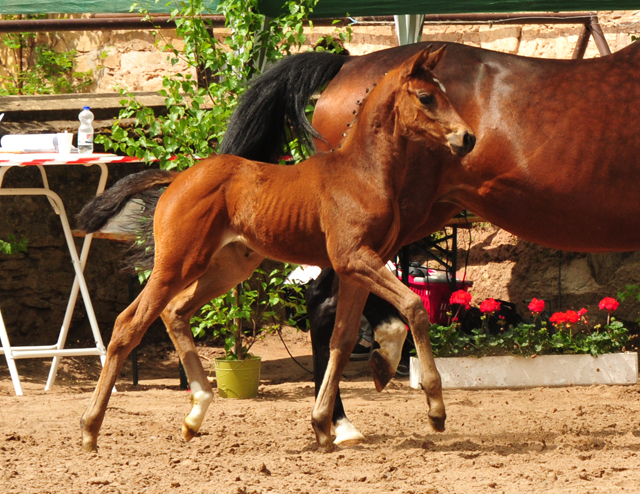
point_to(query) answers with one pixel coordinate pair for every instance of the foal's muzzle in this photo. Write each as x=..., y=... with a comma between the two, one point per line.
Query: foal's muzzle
x=462, y=143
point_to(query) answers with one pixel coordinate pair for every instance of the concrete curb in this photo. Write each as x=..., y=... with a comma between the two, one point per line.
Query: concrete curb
x=543, y=370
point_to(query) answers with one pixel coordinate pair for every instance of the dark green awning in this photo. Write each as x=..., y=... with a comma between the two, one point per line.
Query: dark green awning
x=15, y=7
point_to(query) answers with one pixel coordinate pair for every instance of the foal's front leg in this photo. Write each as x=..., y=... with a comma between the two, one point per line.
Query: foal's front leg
x=367, y=268
x=351, y=300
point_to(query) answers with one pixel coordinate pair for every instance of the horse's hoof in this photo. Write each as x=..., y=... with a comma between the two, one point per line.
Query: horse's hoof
x=188, y=433
x=437, y=423
x=381, y=370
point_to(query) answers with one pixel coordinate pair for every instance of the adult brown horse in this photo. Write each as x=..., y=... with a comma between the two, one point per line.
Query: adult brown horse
x=216, y=222
x=556, y=161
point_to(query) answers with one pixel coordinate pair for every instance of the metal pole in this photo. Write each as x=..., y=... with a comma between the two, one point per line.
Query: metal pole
x=583, y=41
x=598, y=37
x=113, y=22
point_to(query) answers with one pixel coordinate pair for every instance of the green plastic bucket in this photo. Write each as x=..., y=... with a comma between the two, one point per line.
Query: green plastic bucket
x=238, y=378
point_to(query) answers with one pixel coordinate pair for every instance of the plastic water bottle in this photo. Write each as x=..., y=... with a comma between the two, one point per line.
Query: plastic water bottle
x=85, y=131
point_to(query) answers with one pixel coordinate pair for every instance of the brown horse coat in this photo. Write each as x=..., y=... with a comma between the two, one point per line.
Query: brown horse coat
x=557, y=155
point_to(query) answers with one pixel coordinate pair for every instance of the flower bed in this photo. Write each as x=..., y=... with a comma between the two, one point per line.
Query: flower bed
x=564, y=333
x=562, y=351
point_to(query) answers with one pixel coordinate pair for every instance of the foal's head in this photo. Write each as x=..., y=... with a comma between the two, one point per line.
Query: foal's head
x=424, y=111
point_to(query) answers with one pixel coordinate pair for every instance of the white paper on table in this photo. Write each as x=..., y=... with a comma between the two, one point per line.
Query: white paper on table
x=31, y=143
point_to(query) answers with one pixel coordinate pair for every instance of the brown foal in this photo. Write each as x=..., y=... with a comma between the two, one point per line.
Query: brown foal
x=218, y=220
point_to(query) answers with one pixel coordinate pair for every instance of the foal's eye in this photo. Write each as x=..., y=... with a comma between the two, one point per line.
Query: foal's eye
x=426, y=99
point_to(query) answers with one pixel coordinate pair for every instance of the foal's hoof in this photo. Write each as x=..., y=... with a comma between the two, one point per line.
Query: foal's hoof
x=381, y=370
x=188, y=433
x=437, y=423
x=89, y=445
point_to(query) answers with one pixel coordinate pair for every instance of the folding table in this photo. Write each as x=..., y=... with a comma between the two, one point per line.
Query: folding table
x=57, y=351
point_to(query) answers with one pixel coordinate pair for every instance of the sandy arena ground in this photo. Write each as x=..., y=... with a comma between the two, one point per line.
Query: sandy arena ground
x=542, y=440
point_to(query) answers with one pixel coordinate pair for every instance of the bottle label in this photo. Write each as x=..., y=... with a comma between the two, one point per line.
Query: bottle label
x=85, y=138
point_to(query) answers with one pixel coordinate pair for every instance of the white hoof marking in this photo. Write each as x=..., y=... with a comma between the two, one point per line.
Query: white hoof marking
x=345, y=432
x=200, y=401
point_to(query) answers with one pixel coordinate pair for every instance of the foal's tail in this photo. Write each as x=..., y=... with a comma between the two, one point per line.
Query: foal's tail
x=257, y=129
x=147, y=186
x=97, y=212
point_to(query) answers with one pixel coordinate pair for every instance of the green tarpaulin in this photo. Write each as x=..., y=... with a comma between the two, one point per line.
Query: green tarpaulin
x=330, y=8
x=342, y=8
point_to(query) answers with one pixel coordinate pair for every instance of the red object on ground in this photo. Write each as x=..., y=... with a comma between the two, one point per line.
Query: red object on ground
x=435, y=294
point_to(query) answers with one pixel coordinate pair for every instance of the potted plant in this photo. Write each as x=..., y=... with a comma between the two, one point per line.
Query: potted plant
x=562, y=351
x=240, y=317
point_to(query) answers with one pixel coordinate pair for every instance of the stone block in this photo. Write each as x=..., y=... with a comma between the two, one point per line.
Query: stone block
x=504, y=38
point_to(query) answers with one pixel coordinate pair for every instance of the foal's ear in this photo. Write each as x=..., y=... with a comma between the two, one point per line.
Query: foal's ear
x=434, y=58
x=424, y=60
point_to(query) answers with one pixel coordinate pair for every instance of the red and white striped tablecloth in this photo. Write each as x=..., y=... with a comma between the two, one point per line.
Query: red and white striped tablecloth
x=30, y=159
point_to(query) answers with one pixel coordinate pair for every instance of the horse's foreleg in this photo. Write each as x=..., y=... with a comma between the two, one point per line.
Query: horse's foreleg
x=233, y=264
x=367, y=268
x=389, y=332
x=351, y=300
x=390, y=335
x=129, y=328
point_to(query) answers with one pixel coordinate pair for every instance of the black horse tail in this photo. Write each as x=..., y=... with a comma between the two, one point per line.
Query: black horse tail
x=257, y=128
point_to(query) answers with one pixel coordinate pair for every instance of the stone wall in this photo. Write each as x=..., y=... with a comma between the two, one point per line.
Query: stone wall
x=133, y=59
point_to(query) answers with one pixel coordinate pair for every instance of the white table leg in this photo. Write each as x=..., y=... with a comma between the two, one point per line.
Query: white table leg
x=79, y=264
x=79, y=285
x=8, y=354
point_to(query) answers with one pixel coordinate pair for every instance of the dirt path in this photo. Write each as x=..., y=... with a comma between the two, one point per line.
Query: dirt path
x=560, y=440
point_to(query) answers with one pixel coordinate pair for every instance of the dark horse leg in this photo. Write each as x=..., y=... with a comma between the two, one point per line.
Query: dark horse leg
x=390, y=332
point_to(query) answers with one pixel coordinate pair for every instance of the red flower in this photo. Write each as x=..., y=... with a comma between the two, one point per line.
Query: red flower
x=572, y=316
x=558, y=318
x=460, y=297
x=536, y=306
x=582, y=312
x=490, y=305
x=609, y=304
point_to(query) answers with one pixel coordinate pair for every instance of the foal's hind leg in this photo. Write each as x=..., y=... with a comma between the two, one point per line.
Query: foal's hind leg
x=233, y=264
x=129, y=328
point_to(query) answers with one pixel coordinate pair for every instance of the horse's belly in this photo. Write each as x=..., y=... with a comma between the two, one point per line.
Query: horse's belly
x=591, y=226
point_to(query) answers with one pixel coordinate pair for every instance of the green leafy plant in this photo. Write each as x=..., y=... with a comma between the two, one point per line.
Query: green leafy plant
x=38, y=68
x=13, y=246
x=198, y=108
x=334, y=42
x=238, y=316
